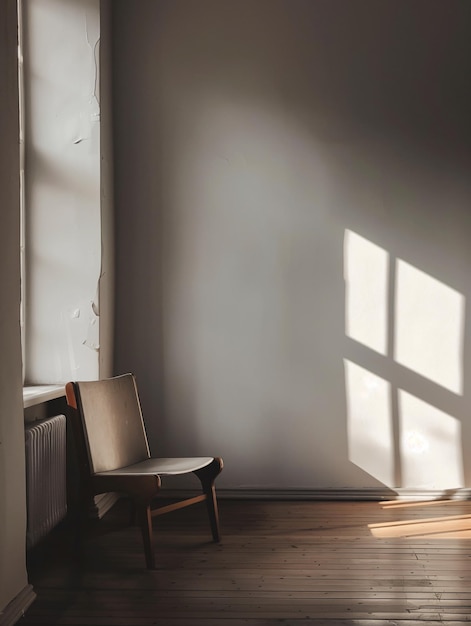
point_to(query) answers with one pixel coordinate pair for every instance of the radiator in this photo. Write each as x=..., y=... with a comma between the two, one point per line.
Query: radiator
x=46, y=494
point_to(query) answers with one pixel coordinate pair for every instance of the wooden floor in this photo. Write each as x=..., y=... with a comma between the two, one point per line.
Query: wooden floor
x=290, y=563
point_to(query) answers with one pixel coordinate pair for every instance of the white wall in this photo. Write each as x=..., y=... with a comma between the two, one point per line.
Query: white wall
x=12, y=474
x=67, y=174
x=269, y=155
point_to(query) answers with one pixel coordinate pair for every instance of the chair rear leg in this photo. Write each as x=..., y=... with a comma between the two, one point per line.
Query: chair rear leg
x=207, y=475
x=145, y=521
x=213, y=513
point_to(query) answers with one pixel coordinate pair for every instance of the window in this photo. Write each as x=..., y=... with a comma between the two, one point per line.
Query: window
x=61, y=187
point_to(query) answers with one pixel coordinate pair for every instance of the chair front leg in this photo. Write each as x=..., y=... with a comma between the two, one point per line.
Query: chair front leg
x=207, y=476
x=145, y=522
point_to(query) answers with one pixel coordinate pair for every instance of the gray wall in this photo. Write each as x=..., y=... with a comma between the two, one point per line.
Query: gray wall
x=253, y=138
x=12, y=472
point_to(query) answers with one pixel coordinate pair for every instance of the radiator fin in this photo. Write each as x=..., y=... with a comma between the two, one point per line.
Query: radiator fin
x=46, y=493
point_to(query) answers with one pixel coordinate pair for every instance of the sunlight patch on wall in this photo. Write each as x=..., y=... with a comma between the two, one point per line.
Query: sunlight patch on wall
x=415, y=322
x=366, y=288
x=430, y=445
x=429, y=320
x=370, y=443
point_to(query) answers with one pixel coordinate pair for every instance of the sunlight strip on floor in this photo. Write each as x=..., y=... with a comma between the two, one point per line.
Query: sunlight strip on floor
x=453, y=526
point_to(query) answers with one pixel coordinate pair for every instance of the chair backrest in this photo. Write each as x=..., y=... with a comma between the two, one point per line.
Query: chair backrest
x=111, y=419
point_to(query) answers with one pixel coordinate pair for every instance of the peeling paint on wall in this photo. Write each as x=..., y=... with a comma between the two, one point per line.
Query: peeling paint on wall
x=93, y=41
x=92, y=340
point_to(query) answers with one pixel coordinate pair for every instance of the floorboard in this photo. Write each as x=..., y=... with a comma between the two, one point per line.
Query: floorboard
x=286, y=563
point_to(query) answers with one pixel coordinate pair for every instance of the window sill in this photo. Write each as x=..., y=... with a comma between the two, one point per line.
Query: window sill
x=37, y=394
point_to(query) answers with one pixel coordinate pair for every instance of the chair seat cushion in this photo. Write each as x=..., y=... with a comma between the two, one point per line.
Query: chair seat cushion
x=162, y=467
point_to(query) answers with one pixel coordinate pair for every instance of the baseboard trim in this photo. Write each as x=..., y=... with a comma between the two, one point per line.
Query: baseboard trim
x=434, y=494
x=346, y=494
x=306, y=494
x=16, y=609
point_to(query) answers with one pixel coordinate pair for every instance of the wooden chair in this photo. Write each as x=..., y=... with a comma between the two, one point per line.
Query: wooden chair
x=114, y=454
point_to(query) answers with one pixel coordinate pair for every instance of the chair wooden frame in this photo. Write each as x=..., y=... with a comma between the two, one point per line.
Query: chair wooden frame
x=139, y=476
